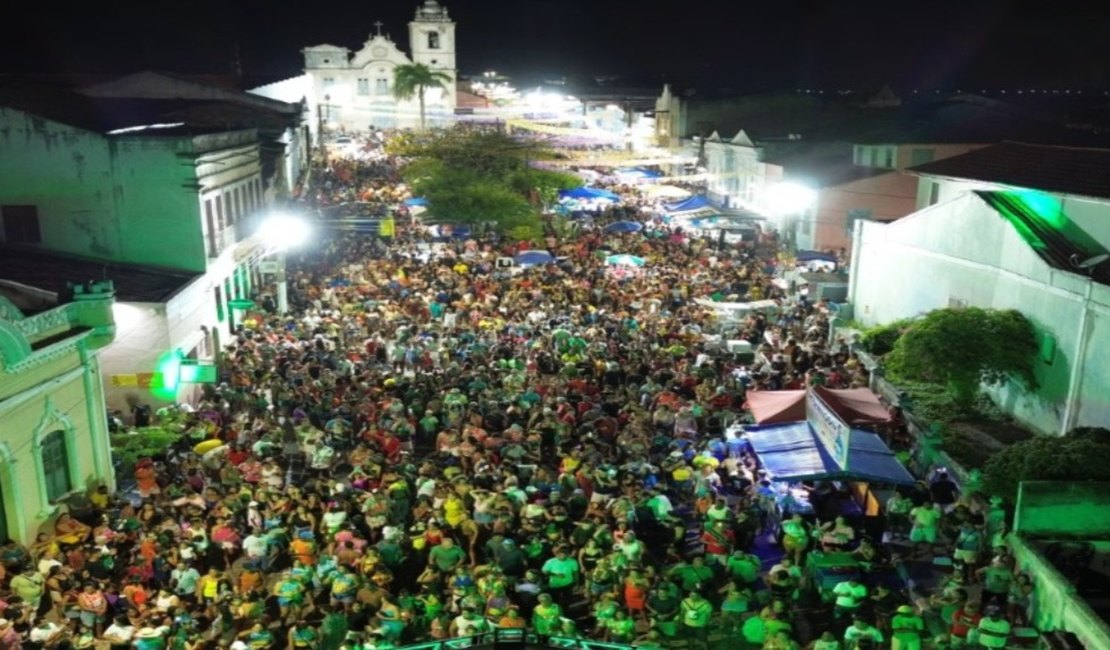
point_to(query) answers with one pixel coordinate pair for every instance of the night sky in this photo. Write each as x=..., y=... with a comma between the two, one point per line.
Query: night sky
x=768, y=43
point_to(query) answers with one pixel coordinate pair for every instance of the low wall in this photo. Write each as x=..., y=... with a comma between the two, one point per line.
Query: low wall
x=1056, y=605
x=1064, y=509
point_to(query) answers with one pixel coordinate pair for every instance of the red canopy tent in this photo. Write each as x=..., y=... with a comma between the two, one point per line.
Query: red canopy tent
x=777, y=406
x=857, y=407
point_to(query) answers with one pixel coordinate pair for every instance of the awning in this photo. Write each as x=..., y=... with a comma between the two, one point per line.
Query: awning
x=777, y=406
x=858, y=407
x=688, y=205
x=589, y=194
x=791, y=452
x=815, y=256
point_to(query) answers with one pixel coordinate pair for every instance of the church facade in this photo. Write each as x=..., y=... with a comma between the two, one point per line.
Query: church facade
x=353, y=90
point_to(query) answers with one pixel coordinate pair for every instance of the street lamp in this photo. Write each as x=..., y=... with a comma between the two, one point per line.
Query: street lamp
x=282, y=232
x=786, y=201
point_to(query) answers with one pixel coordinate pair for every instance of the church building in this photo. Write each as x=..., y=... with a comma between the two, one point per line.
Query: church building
x=352, y=91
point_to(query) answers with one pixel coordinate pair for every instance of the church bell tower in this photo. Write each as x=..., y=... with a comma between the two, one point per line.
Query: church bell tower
x=432, y=40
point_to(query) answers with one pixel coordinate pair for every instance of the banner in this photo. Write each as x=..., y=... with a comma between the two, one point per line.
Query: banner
x=831, y=432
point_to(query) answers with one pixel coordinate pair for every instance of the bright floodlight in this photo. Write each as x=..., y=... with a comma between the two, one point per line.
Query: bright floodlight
x=285, y=231
x=789, y=198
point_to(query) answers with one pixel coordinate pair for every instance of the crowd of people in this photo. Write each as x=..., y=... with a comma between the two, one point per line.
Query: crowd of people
x=436, y=446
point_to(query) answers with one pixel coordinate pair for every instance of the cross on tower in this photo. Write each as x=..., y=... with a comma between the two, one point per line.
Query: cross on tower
x=378, y=26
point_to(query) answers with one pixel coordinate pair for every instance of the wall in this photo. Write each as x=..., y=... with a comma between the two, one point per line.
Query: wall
x=1063, y=509
x=141, y=337
x=888, y=197
x=155, y=197
x=963, y=250
x=1056, y=605
x=66, y=172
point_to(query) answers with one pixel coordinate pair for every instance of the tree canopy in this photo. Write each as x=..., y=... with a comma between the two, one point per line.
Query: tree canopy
x=473, y=176
x=963, y=348
x=1082, y=455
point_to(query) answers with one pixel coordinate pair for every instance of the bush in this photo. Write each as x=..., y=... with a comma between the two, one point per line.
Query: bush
x=145, y=442
x=963, y=348
x=880, y=340
x=1046, y=458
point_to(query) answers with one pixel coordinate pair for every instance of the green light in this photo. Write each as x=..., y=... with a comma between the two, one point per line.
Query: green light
x=197, y=373
x=169, y=368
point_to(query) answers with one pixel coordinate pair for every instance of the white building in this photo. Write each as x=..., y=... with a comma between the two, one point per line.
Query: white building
x=353, y=91
x=1011, y=226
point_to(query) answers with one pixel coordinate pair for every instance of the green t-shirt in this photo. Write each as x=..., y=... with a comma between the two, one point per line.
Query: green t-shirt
x=746, y=567
x=997, y=580
x=696, y=613
x=560, y=573
x=444, y=558
x=907, y=627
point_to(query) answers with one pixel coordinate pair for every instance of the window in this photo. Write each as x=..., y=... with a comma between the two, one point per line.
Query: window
x=210, y=222
x=55, y=465
x=433, y=40
x=329, y=82
x=934, y=192
x=219, y=305
x=854, y=215
x=888, y=157
x=21, y=224
x=921, y=155
x=956, y=303
x=381, y=86
x=238, y=197
x=228, y=212
x=364, y=86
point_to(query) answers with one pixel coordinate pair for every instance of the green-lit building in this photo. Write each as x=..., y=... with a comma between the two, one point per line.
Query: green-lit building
x=156, y=194
x=1010, y=226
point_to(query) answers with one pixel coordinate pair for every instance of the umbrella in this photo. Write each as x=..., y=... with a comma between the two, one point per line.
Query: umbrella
x=624, y=260
x=532, y=258
x=624, y=226
x=416, y=201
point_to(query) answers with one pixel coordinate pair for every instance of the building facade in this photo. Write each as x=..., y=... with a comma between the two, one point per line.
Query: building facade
x=165, y=197
x=54, y=438
x=1002, y=233
x=353, y=91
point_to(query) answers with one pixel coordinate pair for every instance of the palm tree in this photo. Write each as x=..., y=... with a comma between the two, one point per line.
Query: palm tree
x=416, y=79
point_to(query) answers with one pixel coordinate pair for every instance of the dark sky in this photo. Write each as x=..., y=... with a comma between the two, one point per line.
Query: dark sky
x=783, y=43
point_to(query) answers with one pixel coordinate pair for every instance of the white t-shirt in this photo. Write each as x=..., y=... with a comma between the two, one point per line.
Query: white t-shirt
x=255, y=545
x=122, y=632
x=40, y=634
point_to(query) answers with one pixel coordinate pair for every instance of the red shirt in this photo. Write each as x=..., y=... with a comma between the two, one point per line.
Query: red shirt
x=963, y=622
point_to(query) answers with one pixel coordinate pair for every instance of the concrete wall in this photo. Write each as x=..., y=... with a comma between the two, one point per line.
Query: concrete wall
x=888, y=197
x=1060, y=508
x=1056, y=606
x=155, y=197
x=141, y=337
x=962, y=250
x=67, y=174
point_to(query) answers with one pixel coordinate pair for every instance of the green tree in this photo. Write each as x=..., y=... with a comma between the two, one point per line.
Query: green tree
x=414, y=80
x=479, y=177
x=1075, y=457
x=880, y=339
x=963, y=348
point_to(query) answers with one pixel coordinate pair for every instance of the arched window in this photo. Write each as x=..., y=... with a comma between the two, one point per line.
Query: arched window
x=55, y=465
x=433, y=40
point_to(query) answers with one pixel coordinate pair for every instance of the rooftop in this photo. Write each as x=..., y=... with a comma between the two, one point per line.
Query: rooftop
x=173, y=117
x=50, y=272
x=1048, y=168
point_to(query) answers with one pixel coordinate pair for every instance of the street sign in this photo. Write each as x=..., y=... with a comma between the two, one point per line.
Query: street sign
x=240, y=303
x=197, y=373
x=268, y=266
x=138, y=380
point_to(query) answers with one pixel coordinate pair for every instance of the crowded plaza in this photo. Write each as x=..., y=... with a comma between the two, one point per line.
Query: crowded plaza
x=444, y=439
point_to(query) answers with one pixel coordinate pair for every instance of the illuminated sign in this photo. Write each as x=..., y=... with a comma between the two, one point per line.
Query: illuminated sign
x=831, y=431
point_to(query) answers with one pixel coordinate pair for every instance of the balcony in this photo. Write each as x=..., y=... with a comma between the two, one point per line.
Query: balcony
x=220, y=241
x=47, y=334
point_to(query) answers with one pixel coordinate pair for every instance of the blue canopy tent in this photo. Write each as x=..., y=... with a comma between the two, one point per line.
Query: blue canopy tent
x=417, y=202
x=691, y=204
x=533, y=258
x=588, y=194
x=815, y=256
x=623, y=226
x=792, y=452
